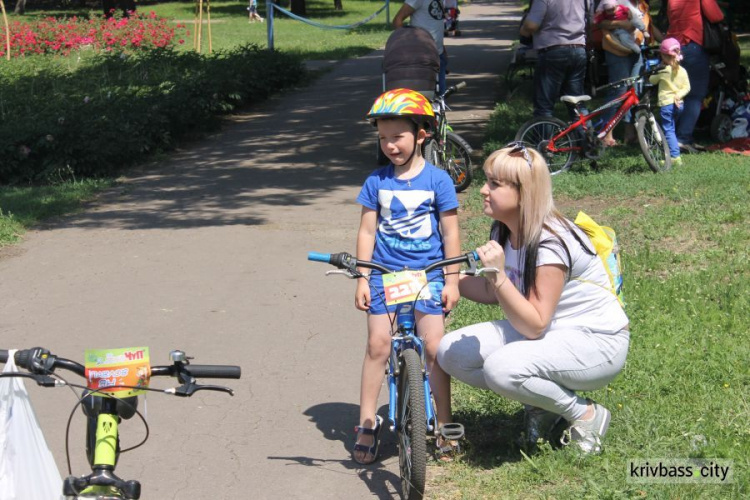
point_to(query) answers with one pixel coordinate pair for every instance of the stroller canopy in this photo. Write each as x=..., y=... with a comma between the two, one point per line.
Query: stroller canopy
x=411, y=60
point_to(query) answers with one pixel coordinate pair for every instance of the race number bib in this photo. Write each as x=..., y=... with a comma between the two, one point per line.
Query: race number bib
x=405, y=286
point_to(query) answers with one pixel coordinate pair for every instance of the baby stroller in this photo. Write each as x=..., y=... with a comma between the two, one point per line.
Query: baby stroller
x=450, y=18
x=411, y=61
x=724, y=109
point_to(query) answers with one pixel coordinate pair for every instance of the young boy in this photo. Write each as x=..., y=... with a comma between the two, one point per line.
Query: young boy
x=409, y=218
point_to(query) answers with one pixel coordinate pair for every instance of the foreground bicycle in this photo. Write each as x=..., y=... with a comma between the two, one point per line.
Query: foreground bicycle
x=446, y=149
x=104, y=413
x=410, y=407
x=561, y=143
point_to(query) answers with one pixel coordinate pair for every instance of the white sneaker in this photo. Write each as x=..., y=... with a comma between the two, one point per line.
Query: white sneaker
x=588, y=434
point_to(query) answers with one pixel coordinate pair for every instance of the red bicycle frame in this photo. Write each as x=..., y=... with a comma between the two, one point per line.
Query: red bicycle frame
x=628, y=100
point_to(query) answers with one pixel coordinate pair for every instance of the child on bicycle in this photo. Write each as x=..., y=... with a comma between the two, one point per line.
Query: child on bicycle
x=674, y=85
x=409, y=218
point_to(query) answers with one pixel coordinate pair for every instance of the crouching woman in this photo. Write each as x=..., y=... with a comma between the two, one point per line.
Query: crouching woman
x=565, y=329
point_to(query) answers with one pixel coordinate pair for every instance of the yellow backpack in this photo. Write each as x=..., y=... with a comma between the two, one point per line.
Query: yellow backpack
x=604, y=240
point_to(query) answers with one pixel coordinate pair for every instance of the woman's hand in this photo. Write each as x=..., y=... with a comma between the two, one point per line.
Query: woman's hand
x=450, y=297
x=362, y=295
x=492, y=255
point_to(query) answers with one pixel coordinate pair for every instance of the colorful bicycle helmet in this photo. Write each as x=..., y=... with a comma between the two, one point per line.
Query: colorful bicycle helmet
x=403, y=103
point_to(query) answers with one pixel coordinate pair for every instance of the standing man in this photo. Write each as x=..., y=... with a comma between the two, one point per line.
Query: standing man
x=558, y=28
x=428, y=15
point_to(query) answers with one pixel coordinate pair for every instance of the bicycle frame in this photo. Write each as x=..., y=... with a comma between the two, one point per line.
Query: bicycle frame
x=628, y=100
x=405, y=337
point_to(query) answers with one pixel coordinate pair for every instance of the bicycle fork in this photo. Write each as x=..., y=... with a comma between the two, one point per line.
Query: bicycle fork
x=394, y=371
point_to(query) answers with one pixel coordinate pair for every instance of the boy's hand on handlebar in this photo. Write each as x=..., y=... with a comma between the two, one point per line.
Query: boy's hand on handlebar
x=450, y=297
x=362, y=295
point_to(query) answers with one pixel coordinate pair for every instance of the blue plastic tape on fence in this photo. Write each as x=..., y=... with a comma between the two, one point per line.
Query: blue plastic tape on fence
x=326, y=26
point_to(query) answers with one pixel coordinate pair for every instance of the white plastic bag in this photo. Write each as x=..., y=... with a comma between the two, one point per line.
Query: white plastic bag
x=27, y=468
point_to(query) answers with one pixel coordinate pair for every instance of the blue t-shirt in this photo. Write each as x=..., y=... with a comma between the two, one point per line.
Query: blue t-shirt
x=408, y=232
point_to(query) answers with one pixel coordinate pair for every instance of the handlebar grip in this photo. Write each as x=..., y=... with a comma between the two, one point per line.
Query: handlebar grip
x=475, y=255
x=22, y=357
x=319, y=257
x=461, y=85
x=213, y=371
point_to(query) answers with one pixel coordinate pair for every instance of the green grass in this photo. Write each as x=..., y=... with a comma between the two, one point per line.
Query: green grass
x=230, y=27
x=684, y=237
x=23, y=207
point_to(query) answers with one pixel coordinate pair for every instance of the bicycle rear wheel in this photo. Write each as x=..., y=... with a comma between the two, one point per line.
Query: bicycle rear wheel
x=653, y=142
x=456, y=161
x=537, y=133
x=412, y=427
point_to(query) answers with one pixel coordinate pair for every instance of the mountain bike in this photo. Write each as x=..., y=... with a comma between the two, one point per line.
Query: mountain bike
x=561, y=143
x=104, y=412
x=410, y=408
x=446, y=149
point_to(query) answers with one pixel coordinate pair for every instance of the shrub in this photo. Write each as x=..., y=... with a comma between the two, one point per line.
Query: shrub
x=61, y=36
x=113, y=109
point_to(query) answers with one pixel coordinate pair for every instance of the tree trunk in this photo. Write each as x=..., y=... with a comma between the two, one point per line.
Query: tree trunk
x=298, y=7
x=20, y=7
x=337, y=5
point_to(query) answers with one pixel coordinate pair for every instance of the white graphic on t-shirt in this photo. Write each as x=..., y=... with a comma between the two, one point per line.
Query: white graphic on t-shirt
x=406, y=213
x=436, y=9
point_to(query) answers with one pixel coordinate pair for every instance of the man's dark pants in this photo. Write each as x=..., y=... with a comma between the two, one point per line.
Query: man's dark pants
x=559, y=71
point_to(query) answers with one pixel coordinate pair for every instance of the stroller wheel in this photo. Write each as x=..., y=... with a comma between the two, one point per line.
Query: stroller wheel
x=721, y=128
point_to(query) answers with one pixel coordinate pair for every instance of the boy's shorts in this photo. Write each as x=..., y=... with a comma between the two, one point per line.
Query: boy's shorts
x=433, y=305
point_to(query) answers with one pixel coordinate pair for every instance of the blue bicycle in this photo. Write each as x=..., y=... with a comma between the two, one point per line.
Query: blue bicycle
x=410, y=406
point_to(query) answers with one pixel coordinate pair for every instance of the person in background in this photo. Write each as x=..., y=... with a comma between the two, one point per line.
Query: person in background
x=610, y=10
x=674, y=85
x=622, y=63
x=558, y=29
x=427, y=14
x=686, y=25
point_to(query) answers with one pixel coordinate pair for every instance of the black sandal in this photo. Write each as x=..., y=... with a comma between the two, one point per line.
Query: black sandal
x=368, y=450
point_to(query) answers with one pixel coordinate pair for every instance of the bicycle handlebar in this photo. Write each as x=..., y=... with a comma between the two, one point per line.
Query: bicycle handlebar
x=346, y=261
x=41, y=362
x=452, y=89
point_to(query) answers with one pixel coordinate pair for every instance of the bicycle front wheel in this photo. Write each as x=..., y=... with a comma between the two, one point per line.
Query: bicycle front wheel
x=653, y=142
x=538, y=132
x=412, y=427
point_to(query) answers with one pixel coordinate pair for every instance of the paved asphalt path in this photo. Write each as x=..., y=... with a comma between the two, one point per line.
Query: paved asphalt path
x=206, y=252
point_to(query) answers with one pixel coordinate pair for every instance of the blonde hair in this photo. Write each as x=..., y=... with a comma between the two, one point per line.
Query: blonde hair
x=536, y=206
x=533, y=182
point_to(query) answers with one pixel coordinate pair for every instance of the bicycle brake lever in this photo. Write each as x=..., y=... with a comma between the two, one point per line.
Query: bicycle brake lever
x=345, y=272
x=188, y=389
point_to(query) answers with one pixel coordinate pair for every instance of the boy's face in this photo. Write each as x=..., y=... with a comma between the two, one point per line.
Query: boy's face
x=397, y=139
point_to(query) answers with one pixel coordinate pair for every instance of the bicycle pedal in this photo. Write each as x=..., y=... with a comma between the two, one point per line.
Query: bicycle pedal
x=452, y=431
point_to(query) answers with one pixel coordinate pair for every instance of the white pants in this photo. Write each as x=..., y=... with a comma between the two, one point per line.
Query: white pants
x=542, y=372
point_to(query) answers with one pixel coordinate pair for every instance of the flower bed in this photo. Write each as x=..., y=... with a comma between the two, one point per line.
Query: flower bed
x=61, y=36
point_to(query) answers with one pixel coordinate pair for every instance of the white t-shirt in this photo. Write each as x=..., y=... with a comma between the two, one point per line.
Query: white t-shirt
x=586, y=300
x=428, y=15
